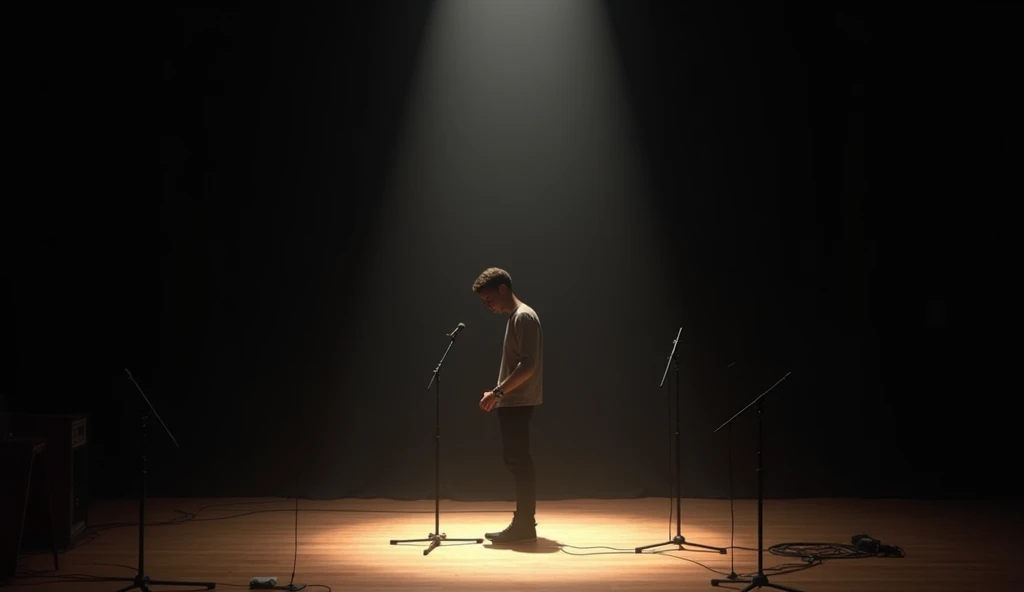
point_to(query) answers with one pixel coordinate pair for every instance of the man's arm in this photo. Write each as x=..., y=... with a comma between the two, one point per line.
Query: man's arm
x=521, y=374
x=528, y=336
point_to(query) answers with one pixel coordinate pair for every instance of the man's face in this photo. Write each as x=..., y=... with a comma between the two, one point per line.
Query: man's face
x=494, y=298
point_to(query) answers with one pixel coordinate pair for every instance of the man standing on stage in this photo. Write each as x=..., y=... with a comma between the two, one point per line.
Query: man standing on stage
x=518, y=391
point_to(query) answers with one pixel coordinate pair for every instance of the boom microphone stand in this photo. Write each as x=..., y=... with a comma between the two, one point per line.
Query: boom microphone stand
x=142, y=581
x=759, y=580
x=437, y=537
x=679, y=539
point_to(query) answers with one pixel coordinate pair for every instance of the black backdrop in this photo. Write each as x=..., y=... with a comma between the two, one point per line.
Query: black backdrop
x=239, y=290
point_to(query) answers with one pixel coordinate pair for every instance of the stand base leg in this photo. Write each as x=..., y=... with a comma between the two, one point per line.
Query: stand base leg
x=679, y=540
x=435, y=541
x=758, y=581
x=143, y=582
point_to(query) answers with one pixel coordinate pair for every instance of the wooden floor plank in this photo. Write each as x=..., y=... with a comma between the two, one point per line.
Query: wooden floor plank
x=584, y=545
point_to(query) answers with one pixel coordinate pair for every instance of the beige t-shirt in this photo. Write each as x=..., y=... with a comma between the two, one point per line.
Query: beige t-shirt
x=524, y=342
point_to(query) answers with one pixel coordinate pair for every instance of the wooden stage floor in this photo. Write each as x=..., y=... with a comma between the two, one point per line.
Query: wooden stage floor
x=584, y=545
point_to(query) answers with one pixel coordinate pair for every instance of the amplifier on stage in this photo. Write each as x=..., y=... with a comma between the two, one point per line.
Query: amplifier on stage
x=67, y=473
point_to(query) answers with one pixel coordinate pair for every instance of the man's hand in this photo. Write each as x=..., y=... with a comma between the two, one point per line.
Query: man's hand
x=488, y=401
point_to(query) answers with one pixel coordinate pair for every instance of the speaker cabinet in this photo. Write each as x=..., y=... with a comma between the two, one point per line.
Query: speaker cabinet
x=67, y=471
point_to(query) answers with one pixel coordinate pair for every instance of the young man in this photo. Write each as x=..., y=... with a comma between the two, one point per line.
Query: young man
x=518, y=391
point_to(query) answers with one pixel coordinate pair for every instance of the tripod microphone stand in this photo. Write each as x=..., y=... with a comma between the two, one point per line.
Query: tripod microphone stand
x=679, y=539
x=437, y=537
x=142, y=581
x=759, y=580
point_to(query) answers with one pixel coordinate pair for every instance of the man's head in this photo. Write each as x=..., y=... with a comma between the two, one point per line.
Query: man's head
x=494, y=287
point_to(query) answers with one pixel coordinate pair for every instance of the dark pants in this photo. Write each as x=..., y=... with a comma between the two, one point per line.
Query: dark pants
x=515, y=442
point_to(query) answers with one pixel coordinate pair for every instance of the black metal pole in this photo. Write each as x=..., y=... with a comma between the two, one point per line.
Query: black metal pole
x=141, y=581
x=678, y=540
x=760, y=497
x=758, y=580
x=142, y=495
x=437, y=455
x=437, y=537
x=679, y=457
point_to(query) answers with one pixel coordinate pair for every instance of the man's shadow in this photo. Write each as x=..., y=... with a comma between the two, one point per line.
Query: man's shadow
x=541, y=545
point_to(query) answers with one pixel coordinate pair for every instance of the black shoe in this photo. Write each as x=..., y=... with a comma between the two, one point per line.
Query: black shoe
x=519, y=531
x=516, y=534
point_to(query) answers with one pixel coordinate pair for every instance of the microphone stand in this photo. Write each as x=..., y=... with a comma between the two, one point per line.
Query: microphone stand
x=437, y=537
x=142, y=581
x=759, y=580
x=679, y=539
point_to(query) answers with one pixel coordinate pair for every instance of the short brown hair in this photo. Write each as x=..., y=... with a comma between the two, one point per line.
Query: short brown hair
x=492, y=277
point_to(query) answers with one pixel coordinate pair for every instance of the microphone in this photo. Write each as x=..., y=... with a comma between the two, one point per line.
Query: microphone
x=456, y=330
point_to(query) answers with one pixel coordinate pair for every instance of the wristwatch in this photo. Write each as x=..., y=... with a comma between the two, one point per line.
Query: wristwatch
x=498, y=392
